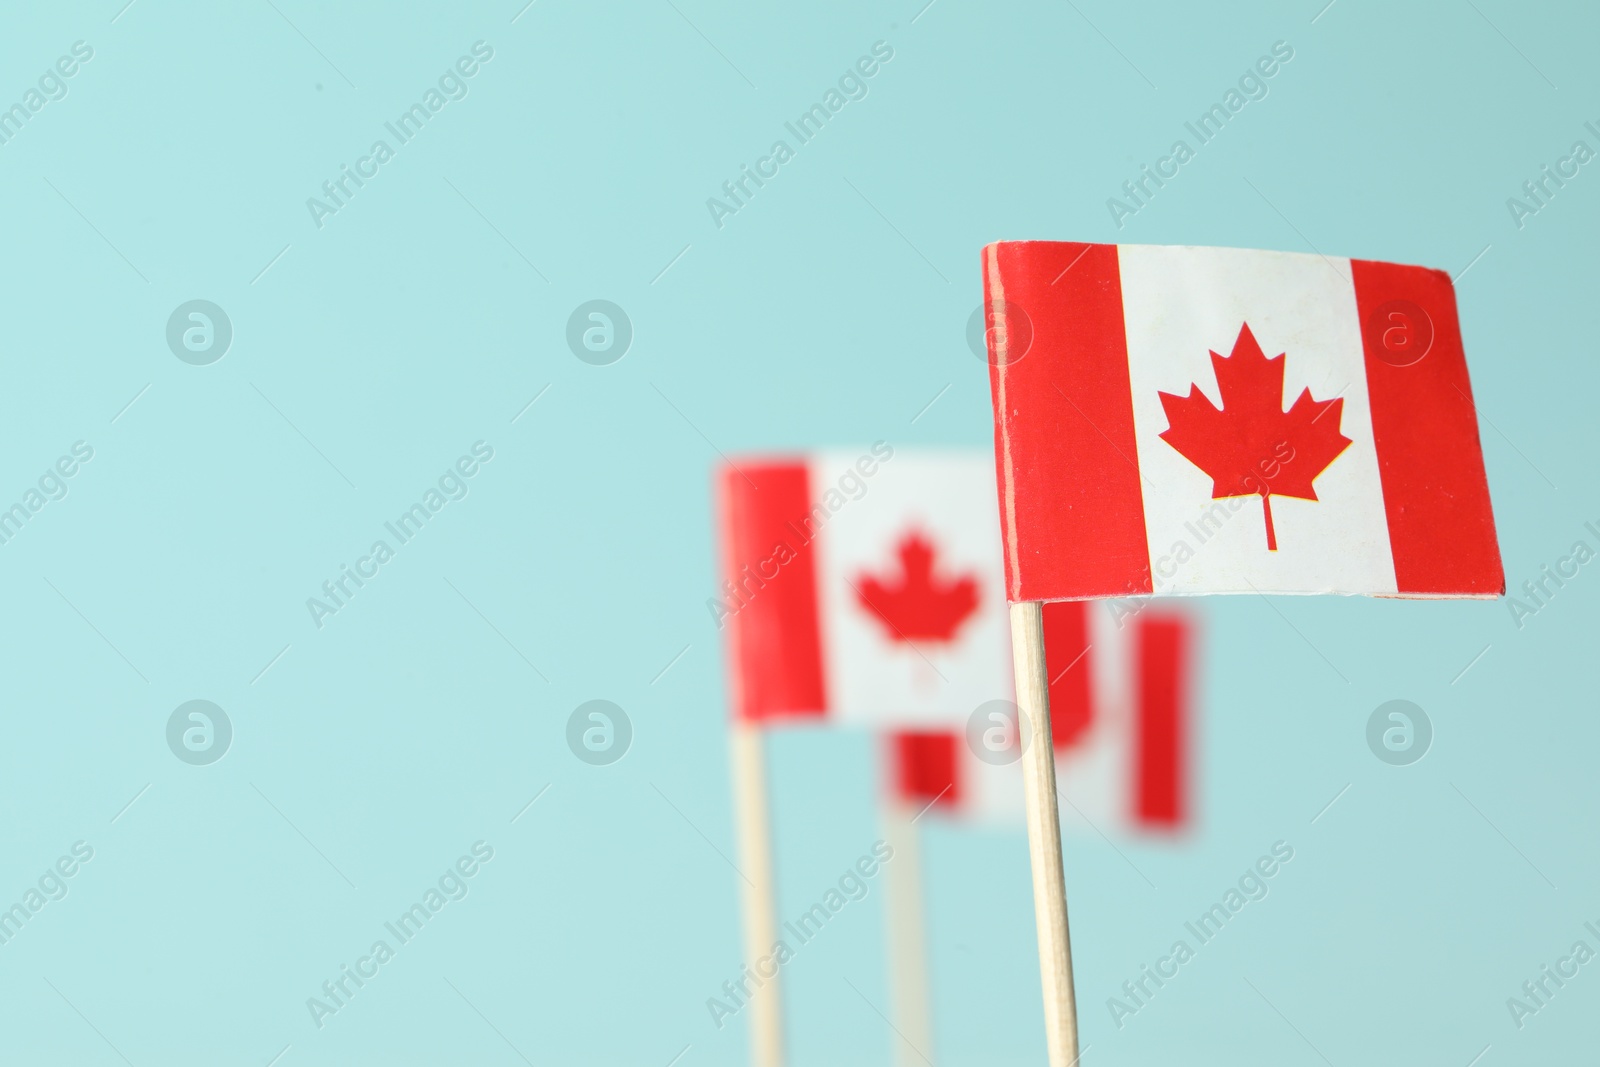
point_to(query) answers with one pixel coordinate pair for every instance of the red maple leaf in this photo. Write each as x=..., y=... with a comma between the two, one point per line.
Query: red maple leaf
x=1251, y=446
x=916, y=605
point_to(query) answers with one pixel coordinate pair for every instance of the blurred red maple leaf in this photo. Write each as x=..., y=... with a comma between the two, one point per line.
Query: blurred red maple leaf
x=1251, y=446
x=915, y=605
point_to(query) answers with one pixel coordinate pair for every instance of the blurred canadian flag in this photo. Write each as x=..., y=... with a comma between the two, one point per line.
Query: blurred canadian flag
x=866, y=588
x=1120, y=719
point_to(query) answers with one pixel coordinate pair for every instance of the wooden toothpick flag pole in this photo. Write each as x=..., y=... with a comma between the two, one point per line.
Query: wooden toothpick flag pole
x=908, y=960
x=1044, y=833
x=759, y=893
x=1119, y=475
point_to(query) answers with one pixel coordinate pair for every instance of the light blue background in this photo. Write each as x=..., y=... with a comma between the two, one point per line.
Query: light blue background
x=831, y=310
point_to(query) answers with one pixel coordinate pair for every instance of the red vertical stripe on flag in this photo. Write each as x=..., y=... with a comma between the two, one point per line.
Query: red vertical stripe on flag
x=1071, y=510
x=927, y=767
x=1066, y=647
x=774, y=629
x=1161, y=648
x=1441, y=527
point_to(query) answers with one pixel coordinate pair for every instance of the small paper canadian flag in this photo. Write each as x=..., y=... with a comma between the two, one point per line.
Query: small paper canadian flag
x=1120, y=720
x=865, y=589
x=1219, y=420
